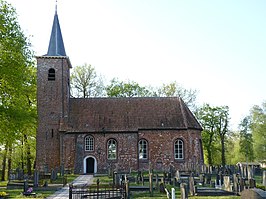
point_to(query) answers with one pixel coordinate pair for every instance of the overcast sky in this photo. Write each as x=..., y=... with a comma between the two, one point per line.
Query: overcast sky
x=216, y=47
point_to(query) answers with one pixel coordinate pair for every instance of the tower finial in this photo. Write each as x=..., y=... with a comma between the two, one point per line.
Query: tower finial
x=55, y=6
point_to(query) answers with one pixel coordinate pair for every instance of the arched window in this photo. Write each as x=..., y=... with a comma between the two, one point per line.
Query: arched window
x=51, y=74
x=179, y=149
x=111, y=149
x=143, y=149
x=89, y=143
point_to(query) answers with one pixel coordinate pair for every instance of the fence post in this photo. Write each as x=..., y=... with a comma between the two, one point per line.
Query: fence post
x=98, y=184
x=70, y=190
x=151, y=183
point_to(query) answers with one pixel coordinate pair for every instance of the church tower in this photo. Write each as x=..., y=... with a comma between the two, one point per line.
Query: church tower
x=53, y=94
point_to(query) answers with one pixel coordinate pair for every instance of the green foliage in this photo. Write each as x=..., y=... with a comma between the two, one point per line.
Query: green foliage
x=258, y=129
x=17, y=86
x=173, y=89
x=126, y=89
x=214, y=121
x=246, y=140
x=86, y=82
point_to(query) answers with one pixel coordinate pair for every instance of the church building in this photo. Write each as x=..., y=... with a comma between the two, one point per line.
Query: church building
x=92, y=135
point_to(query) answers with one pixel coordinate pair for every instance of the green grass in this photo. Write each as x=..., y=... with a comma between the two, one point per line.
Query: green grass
x=40, y=192
x=17, y=193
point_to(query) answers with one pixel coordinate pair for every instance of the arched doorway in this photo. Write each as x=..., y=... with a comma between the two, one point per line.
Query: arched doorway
x=90, y=165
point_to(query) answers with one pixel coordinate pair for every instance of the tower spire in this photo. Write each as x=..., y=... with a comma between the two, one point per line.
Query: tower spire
x=56, y=44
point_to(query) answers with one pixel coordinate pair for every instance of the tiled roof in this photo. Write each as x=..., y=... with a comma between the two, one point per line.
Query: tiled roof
x=129, y=114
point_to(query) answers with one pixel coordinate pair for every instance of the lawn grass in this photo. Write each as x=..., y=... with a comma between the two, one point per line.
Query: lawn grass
x=40, y=192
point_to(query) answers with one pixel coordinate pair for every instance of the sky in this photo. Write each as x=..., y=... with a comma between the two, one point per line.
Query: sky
x=216, y=47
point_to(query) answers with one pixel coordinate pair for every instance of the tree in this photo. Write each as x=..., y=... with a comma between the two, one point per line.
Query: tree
x=214, y=121
x=126, y=89
x=246, y=140
x=174, y=89
x=17, y=83
x=258, y=129
x=86, y=82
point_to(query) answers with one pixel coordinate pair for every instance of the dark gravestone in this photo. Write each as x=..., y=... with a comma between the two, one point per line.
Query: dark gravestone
x=25, y=185
x=252, y=183
x=36, y=179
x=235, y=183
x=241, y=184
x=53, y=175
x=208, y=179
x=162, y=190
x=264, y=178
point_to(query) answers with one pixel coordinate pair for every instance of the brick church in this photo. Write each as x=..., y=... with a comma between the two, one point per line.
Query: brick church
x=91, y=135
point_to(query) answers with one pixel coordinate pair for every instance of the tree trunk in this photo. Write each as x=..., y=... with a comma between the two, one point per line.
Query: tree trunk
x=28, y=155
x=9, y=161
x=4, y=164
x=223, y=151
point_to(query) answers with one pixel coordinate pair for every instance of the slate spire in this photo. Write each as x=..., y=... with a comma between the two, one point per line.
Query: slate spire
x=56, y=45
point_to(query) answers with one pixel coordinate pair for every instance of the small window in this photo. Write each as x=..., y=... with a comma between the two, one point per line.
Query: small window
x=51, y=74
x=111, y=149
x=89, y=143
x=143, y=149
x=179, y=149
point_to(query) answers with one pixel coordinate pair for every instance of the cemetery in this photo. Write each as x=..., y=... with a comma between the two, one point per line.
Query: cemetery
x=237, y=181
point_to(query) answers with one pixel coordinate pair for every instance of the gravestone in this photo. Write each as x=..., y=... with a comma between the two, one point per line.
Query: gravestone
x=36, y=179
x=25, y=185
x=202, y=179
x=173, y=193
x=252, y=183
x=191, y=186
x=227, y=185
x=250, y=172
x=53, y=175
x=242, y=184
x=264, y=178
x=62, y=170
x=183, y=191
x=162, y=190
x=177, y=175
x=235, y=183
x=253, y=194
x=208, y=179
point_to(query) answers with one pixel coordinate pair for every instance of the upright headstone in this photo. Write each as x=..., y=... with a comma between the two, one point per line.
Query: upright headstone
x=53, y=177
x=177, y=175
x=183, y=191
x=191, y=186
x=62, y=170
x=250, y=172
x=264, y=178
x=252, y=183
x=201, y=176
x=227, y=185
x=36, y=178
x=25, y=185
x=241, y=184
x=173, y=193
x=235, y=183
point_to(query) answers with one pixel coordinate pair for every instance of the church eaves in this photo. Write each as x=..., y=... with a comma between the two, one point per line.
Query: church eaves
x=56, y=45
